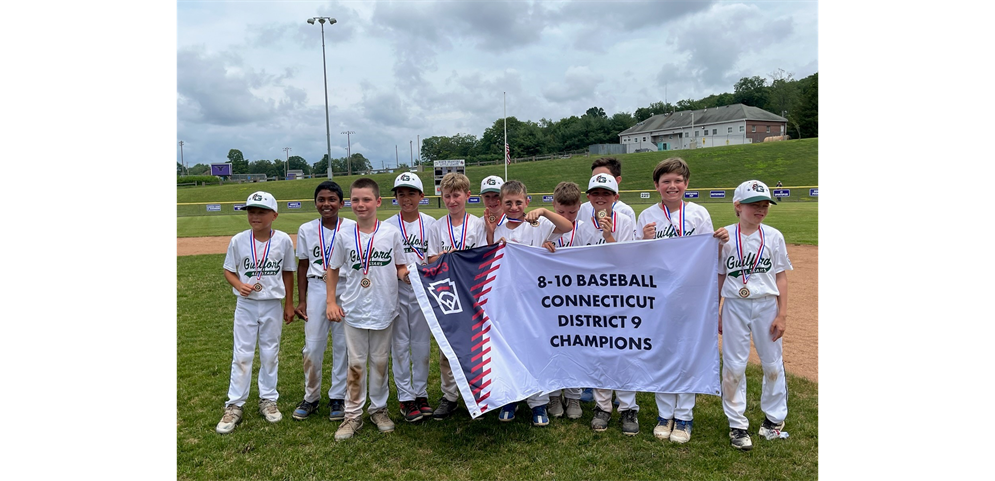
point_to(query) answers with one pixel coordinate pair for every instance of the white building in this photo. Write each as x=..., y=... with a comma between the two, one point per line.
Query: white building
x=689, y=129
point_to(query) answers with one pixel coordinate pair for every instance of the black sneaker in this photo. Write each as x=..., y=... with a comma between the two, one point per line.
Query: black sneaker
x=336, y=409
x=410, y=411
x=304, y=409
x=445, y=409
x=630, y=422
x=740, y=439
x=600, y=421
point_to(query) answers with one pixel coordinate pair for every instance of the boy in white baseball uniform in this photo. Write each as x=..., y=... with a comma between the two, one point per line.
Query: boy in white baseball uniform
x=673, y=217
x=566, y=203
x=411, y=344
x=259, y=265
x=459, y=230
x=490, y=193
x=753, y=284
x=532, y=229
x=315, y=245
x=608, y=226
x=613, y=167
x=368, y=257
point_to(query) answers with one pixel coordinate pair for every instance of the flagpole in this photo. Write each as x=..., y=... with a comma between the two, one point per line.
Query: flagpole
x=507, y=155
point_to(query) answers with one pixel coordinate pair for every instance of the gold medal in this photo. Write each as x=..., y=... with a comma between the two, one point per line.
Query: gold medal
x=602, y=214
x=257, y=287
x=534, y=223
x=744, y=293
x=324, y=276
x=365, y=282
x=492, y=218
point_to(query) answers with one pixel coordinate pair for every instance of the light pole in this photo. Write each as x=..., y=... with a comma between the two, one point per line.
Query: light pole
x=348, y=141
x=324, y=71
x=184, y=164
x=412, y=149
x=286, y=168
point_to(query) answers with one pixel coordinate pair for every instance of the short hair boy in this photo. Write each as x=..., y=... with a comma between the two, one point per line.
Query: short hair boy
x=671, y=218
x=613, y=167
x=259, y=265
x=368, y=254
x=606, y=224
x=753, y=281
x=315, y=245
x=459, y=230
x=411, y=343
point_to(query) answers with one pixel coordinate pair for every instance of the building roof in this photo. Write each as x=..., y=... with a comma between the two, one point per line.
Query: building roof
x=702, y=117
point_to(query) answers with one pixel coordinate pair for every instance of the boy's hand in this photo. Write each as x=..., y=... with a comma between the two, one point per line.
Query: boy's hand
x=404, y=275
x=722, y=234
x=489, y=225
x=606, y=224
x=301, y=311
x=288, y=313
x=778, y=326
x=334, y=312
x=534, y=215
x=549, y=246
x=649, y=231
x=245, y=289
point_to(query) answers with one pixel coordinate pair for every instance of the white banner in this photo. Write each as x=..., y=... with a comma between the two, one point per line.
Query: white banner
x=516, y=320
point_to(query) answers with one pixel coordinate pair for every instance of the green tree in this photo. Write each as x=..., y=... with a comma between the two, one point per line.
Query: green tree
x=782, y=92
x=200, y=169
x=298, y=163
x=321, y=168
x=263, y=167
x=359, y=163
x=752, y=91
x=689, y=104
x=238, y=163
x=179, y=168
x=806, y=116
x=655, y=108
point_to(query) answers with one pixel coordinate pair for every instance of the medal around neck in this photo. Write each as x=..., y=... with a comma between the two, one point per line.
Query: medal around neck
x=366, y=282
x=602, y=213
x=744, y=293
x=257, y=287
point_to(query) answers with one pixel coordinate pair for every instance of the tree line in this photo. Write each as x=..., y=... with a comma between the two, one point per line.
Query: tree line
x=778, y=93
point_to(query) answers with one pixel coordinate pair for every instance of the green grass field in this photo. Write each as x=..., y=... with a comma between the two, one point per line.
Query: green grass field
x=460, y=448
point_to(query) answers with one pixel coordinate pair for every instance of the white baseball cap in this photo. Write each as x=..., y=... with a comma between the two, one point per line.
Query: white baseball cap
x=262, y=200
x=752, y=191
x=602, y=181
x=491, y=183
x=408, y=180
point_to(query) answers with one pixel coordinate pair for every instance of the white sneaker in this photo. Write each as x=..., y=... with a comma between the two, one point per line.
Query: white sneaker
x=348, y=428
x=663, y=428
x=382, y=420
x=269, y=410
x=770, y=430
x=233, y=416
x=574, y=410
x=740, y=439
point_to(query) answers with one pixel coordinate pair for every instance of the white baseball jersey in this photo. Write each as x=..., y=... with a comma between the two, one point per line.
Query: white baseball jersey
x=526, y=234
x=309, y=246
x=586, y=211
x=417, y=236
x=691, y=220
x=578, y=236
x=375, y=306
x=271, y=264
x=590, y=231
x=735, y=262
x=439, y=235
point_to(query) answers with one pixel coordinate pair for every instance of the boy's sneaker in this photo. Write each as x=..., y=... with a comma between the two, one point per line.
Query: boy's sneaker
x=348, y=428
x=587, y=395
x=336, y=410
x=269, y=410
x=740, y=439
x=445, y=409
x=422, y=403
x=382, y=420
x=539, y=416
x=304, y=409
x=600, y=421
x=556, y=406
x=507, y=412
x=664, y=428
x=770, y=430
x=574, y=410
x=410, y=411
x=630, y=422
x=233, y=416
x=682, y=431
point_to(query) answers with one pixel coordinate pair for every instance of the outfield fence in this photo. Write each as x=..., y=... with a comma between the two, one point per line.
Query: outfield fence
x=804, y=193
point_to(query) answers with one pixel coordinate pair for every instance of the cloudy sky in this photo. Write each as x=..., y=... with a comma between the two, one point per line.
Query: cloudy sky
x=249, y=74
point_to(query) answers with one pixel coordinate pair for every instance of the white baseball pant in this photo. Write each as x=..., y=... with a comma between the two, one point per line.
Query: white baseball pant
x=569, y=393
x=675, y=406
x=372, y=347
x=260, y=320
x=740, y=318
x=410, y=346
x=316, y=331
x=626, y=400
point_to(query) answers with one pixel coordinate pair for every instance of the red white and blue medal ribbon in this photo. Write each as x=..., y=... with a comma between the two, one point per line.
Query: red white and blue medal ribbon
x=503, y=218
x=364, y=258
x=326, y=252
x=404, y=232
x=597, y=225
x=680, y=228
x=255, y=262
x=452, y=235
x=572, y=234
x=739, y=251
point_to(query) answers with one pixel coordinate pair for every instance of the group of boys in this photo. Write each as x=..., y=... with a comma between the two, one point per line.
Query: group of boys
x=353, y=283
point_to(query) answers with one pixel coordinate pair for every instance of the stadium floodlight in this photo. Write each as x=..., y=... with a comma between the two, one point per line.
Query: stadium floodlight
x=324, y=70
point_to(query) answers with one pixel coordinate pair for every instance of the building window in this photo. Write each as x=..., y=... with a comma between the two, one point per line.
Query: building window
x=753, y=128
x=715, y=131
x=780, y=128
x=729, y=131
x=697, y=133
x=704, y=132
x=742, y=128
x=768, y=129
x=644, y=139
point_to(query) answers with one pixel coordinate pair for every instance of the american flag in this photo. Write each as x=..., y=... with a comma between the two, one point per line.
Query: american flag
x=507, y=154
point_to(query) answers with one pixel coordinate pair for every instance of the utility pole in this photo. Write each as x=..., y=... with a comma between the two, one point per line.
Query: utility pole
x=412, y=152
x=395, y=156
x=286, y=168
x=182, y=162
x=348, y=140
x=419, y=147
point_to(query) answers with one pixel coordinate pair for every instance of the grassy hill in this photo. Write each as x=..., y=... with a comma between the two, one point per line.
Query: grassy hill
x=794, y=163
